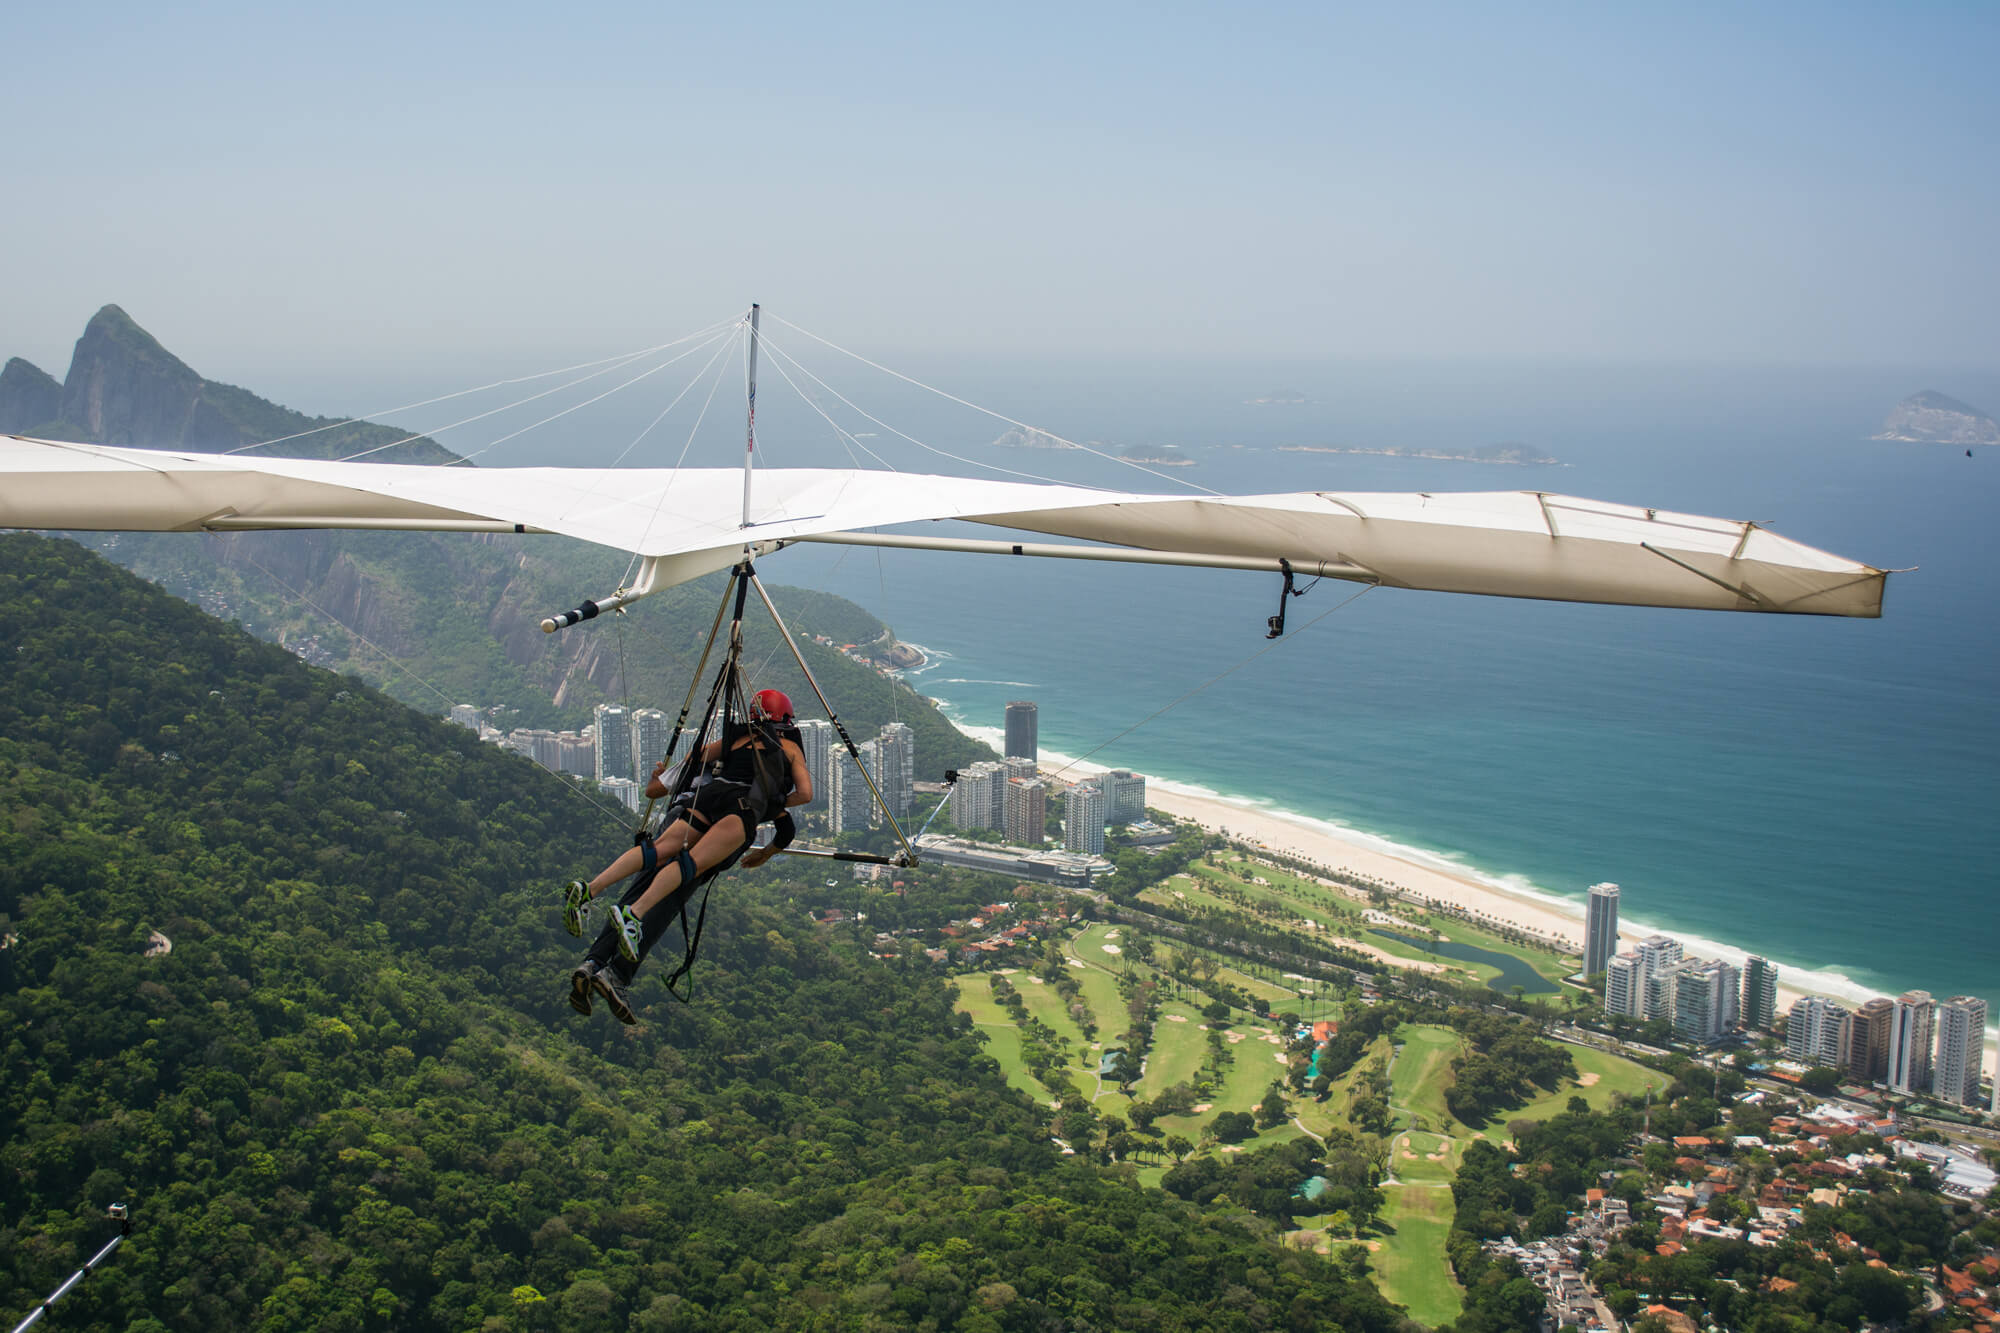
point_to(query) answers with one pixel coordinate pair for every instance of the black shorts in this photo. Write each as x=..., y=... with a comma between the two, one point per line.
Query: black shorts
x=715, y=800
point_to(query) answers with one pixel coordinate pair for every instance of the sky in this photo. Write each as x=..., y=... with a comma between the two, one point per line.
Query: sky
x=364, y=188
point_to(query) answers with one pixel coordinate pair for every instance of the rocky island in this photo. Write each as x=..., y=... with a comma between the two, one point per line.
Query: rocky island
x=1932, y=418
x=1512, y=452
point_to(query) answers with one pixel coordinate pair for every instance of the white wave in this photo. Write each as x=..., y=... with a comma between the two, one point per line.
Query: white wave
x=1010, y=684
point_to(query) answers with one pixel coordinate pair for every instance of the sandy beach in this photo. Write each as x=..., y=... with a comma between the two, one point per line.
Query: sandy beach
x=1323, y=847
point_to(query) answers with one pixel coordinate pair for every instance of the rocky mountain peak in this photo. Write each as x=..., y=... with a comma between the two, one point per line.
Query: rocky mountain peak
x=30, y=397
x=124, y=388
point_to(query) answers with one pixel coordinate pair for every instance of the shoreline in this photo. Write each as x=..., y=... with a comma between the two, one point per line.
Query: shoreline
x=1431, y=875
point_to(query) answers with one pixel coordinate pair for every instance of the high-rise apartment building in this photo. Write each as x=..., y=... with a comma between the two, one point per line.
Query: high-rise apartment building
x=1639, y=982
x=1021, y=728
x=1704, y=993
x=1961, y=1048
x=651, y=730
x=466, y=715
x=897, y=776
x=850, y=804
x=816, y=743
x=1868, y=1055
x=1124, y=796
x=1024, y=816
x=614, y=741
x=1600, y=928
x=1912, y=1039
x=976, y=800
x=1083, y=819
x=1760, y=993
x=1819, y=1032
x=1625, y=985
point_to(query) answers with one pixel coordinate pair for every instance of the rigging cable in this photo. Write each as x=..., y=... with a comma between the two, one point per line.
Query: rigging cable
x=997, y=416
x=574, y=407
x=626, y=357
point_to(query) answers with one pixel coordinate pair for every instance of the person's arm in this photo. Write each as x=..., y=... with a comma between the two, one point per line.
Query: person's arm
x=802, y=778
x=782, y=830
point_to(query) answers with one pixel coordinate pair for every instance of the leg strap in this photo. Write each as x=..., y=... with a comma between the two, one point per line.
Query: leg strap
x=685, y=862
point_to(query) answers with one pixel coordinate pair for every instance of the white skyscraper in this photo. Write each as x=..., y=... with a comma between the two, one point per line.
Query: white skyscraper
x=816, y=740
x=1912, y=1038
x=1961, y=1048
x=975, y=801
x=1704, y=993
x=1760, y=993
x=1600, y=928
x=1818, y=1032
x=1625, y=985
x=1083, y=819
x=614, y=742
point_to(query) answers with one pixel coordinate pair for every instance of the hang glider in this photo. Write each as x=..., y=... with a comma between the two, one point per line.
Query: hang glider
x=685, y=523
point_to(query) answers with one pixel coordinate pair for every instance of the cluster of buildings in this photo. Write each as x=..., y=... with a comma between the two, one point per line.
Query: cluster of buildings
x=618, y=750
x=1011, y=796
x=1704, y=999
x=1757, y=1189
x=1913, y=1044
x=621, y=745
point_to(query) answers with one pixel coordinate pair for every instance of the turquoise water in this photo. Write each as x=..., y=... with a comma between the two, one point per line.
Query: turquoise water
x=1815, y=790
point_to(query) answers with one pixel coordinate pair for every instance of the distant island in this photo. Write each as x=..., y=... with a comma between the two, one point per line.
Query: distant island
x=1511, y=452
x=1279, y=398
x=1932, y=418
x=1163, y=456
x=1027, y=437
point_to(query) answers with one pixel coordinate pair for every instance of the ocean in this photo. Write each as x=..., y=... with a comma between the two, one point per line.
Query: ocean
x=1816, y=790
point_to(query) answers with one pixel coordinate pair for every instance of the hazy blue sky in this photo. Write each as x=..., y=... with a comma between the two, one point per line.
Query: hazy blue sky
x=372, y=186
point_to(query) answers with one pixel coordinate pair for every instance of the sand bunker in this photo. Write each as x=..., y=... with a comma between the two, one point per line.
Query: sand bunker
x=1110, y=934
x=1280, y=1058
x=1589, y=1080
x=1407, y=1155
x=1177, y=1018
x=1234, y=1037
x=1009, y=971
x=1112, y=948
x=1204, y=1108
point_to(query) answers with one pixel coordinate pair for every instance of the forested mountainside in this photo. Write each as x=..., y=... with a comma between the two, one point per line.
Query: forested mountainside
x=432, y=618
x=282, y=971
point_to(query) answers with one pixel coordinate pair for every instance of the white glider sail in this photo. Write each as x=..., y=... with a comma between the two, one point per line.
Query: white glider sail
x=686, y=523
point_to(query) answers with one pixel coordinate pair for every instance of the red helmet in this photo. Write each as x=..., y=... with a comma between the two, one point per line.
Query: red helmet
x=772, y=704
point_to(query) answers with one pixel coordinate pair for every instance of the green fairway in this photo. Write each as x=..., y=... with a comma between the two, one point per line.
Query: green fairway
x=1003, y=1039
x=1599, y=1077
x=1179, y=1045
x=1410, y=1267
x=1422, y=1072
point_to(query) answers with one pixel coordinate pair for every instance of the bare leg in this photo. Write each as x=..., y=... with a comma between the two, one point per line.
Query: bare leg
x=714, y=846
x=673, y=838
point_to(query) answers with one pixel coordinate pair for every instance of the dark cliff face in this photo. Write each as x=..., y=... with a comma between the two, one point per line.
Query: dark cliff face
x=124, y=388
x=30, y=398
